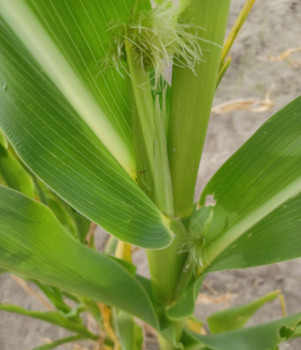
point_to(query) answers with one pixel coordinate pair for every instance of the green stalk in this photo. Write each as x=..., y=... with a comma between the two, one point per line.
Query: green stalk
x=166, y=266
x=154, y=177
x=153, y=173
x=191, y=99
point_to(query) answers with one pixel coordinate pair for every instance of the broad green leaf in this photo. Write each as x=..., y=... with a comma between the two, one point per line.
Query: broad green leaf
x=129, y=333
x=256, y=219
x=50, y=133
x=275, y=238
x=68, y=41
x=53, y=317
x=33, y=243
x=13, y=173
x=60, y=342
x=237, y=317
x=263, y=337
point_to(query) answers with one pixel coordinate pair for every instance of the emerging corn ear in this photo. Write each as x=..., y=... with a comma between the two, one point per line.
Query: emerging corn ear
x=158, y=38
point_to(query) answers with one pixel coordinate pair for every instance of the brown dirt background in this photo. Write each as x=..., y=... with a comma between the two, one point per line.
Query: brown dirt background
x=273, y=27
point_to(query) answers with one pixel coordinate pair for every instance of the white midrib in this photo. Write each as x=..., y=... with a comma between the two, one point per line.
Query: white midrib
x=35, y=38
x=227, y=238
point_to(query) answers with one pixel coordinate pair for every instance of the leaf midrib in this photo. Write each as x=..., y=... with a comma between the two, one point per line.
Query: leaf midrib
x=227, y=238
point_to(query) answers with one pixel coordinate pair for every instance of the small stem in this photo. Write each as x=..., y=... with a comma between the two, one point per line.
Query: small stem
x=236, y=28
x=149, y=136
x=62, y=341
x=283, y=305
x=223, y=69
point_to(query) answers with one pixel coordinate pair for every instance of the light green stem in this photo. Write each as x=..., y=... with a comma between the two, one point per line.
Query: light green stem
x=166, y=266
x=154, y=177
x=149, y=135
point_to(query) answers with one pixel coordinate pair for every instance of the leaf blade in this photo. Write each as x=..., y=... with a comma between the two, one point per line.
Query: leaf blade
x=28, y=27
x=275, y=238
x=236, y=317
x=57, y=145
x=33, y=243
x=262, y=337
x=261, y=177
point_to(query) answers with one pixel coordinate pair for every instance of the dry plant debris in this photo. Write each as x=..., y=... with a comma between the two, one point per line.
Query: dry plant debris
x=285, y=55
x=32, y=292
x=205, y=299
x=250, y=105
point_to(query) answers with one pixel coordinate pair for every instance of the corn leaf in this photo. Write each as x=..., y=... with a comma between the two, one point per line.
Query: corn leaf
x=56, y=343
x=129, y=333
x=263, y=337
x=34, y=244
x=68, y=40
x=41, y=117
x=256, y=219
x=237, y=317
x=53, y=317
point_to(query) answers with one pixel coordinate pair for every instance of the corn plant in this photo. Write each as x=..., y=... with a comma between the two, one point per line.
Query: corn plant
x=93, y=133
